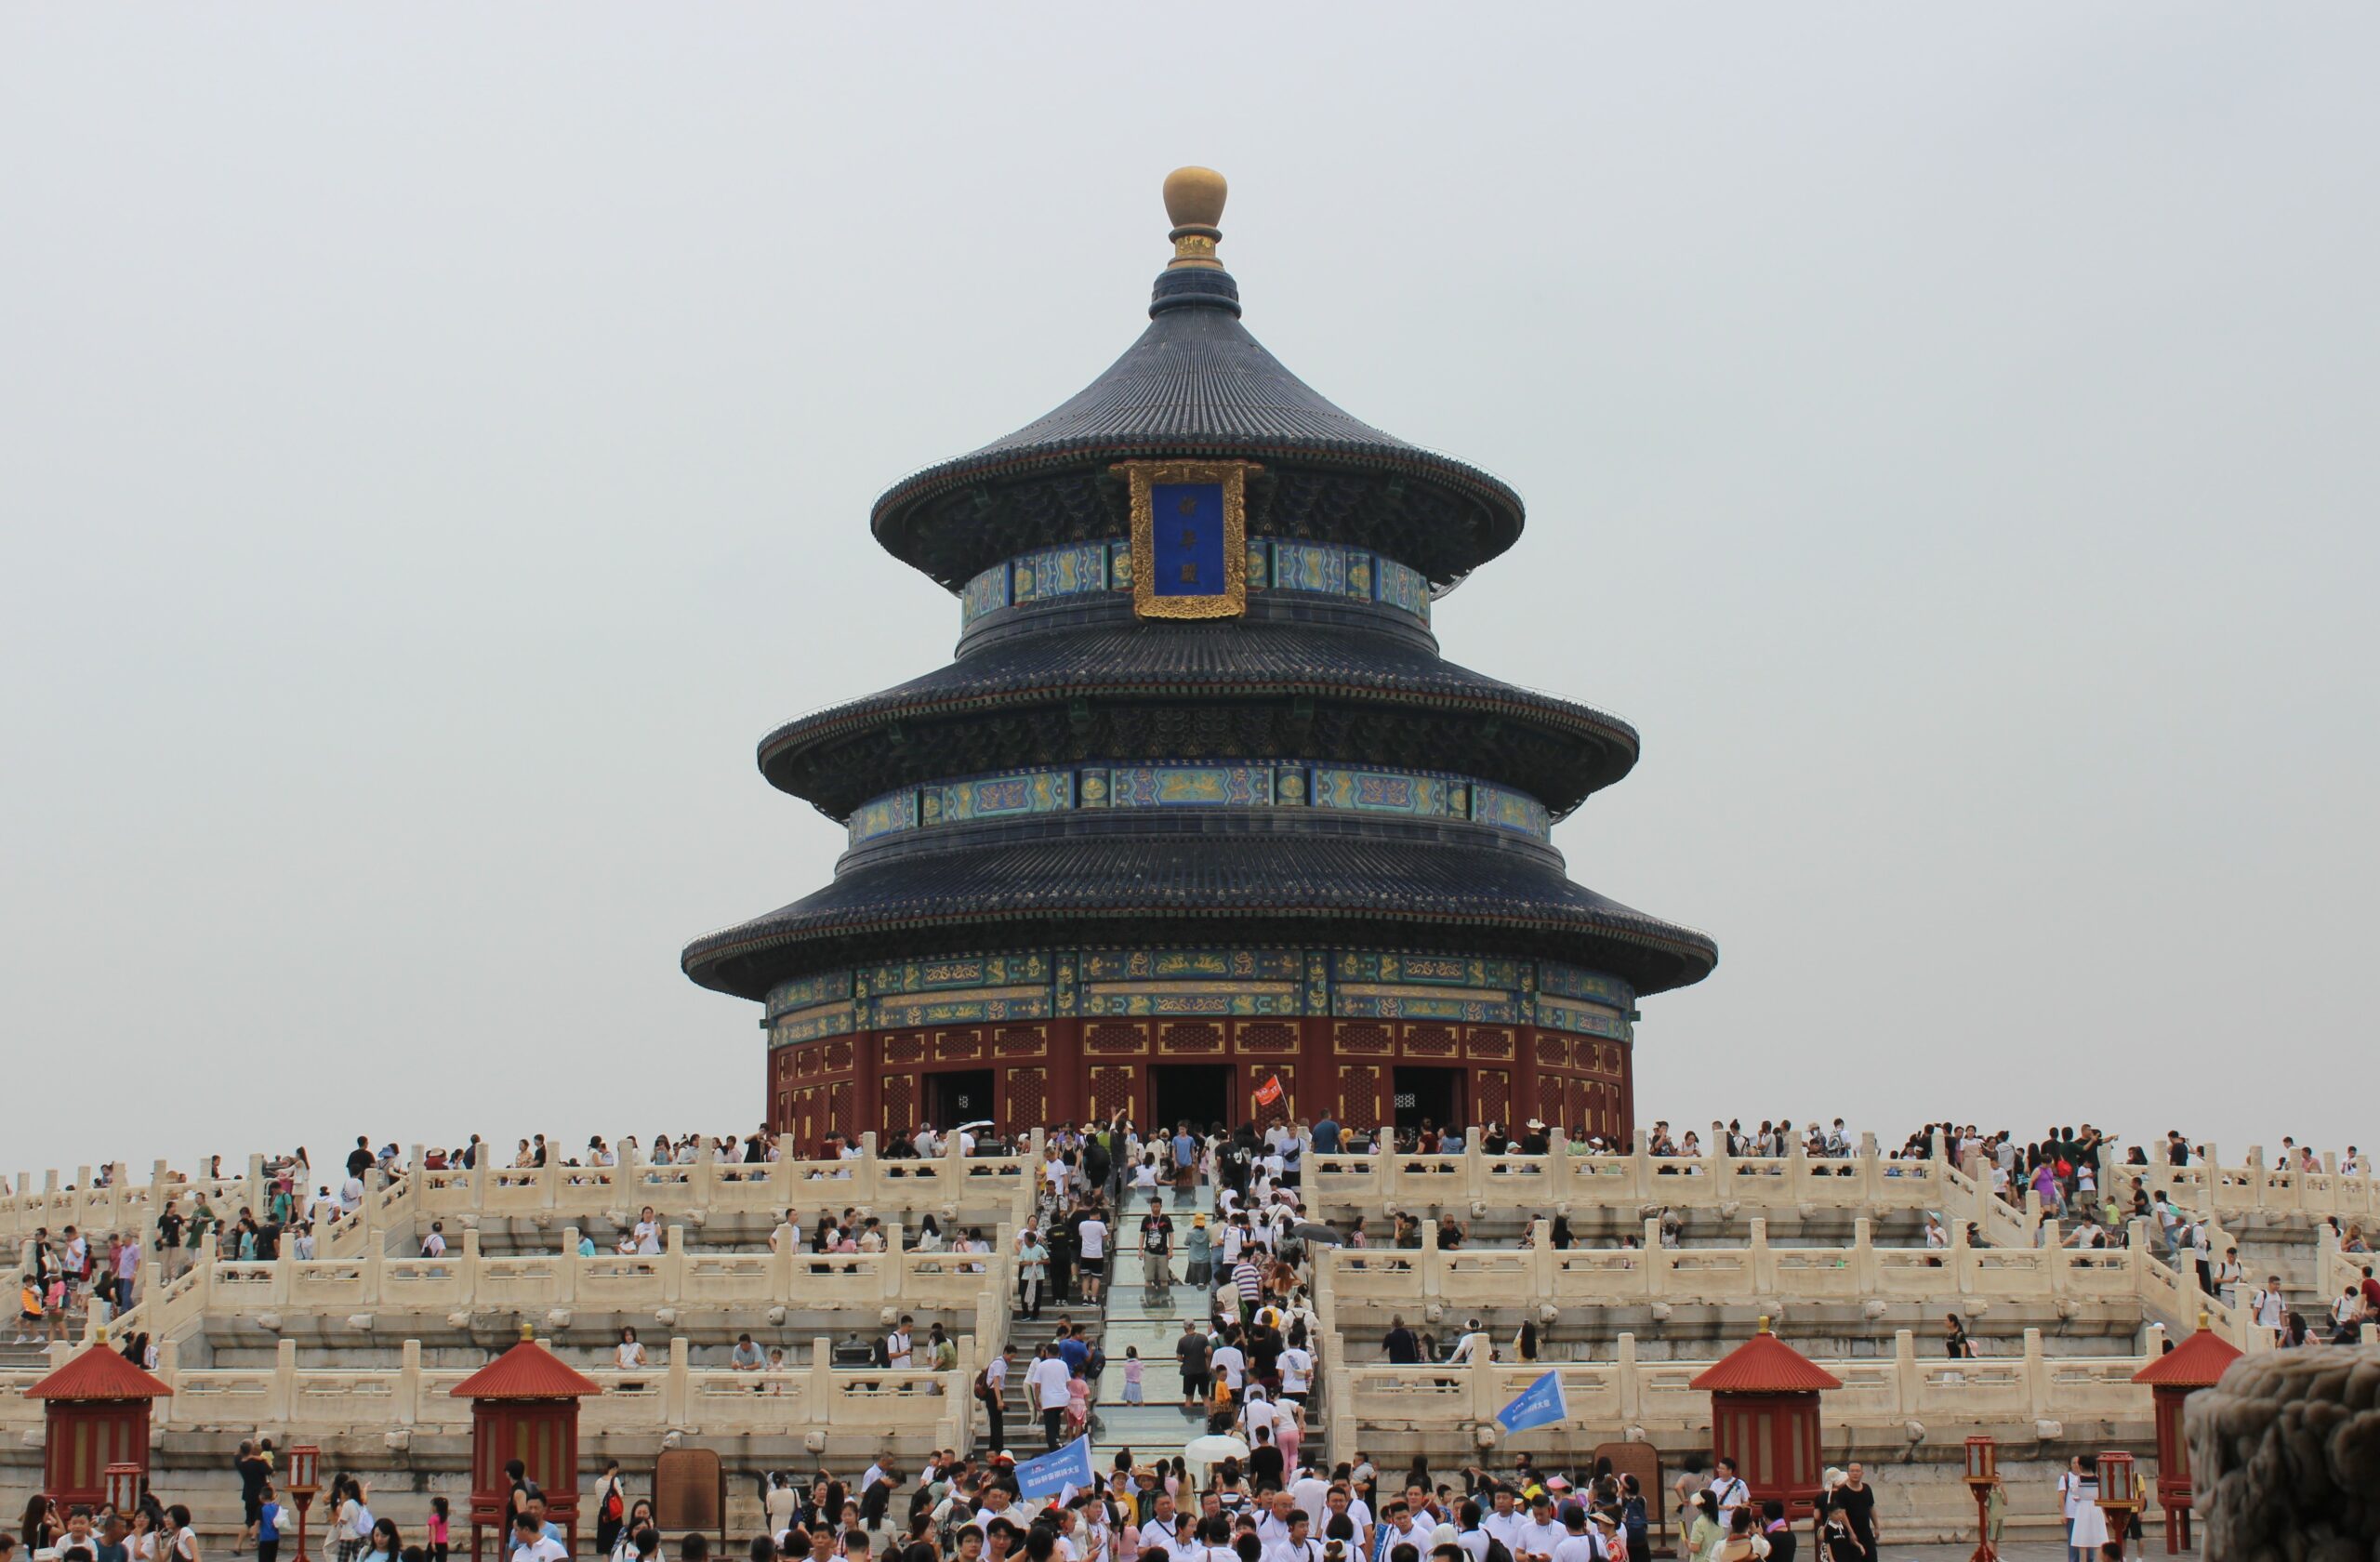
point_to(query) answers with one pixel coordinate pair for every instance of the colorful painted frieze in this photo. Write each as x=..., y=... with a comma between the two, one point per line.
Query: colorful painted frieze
x=1401, y=586
x=1570, y=981
x=1155, y=965
x=1379, y=791
x=1309, y=566
x=1369, y=1000
x=1583, y=1019
x=959, y=970
x=993, y=797
x=1509, y=810
x=1190, y=785
x=803, y=992
x=1459, y=971
x=961, y=1008
x=894, y=811
x=985, y=594
x=1059, y=571
x=810, y=1025
x=1136, y=999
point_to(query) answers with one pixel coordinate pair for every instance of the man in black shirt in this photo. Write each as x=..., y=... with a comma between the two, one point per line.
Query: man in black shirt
x=1403, y=1349
x=1157, y=1256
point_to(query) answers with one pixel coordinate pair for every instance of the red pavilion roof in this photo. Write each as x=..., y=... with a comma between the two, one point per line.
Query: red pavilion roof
x=2197, y=1362
x=527, y=1371
x=99, y=1373
x=1764, y=1364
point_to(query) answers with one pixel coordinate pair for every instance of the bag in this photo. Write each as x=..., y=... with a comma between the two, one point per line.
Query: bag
x=613, y=1508
x=1497, y=1551
x=984, y=1389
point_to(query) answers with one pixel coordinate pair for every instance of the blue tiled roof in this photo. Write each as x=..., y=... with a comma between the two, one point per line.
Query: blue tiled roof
x=1196, y=383
x=1150, y=889
x=1228, y=660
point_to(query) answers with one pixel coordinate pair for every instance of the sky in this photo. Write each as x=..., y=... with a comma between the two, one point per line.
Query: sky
x=436, y=445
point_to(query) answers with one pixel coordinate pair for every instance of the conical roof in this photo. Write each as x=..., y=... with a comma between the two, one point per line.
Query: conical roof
x=99, y=1373
x=2197, y=1362
x=527, y=1371
x=1197, y=384
x=1764, y=1364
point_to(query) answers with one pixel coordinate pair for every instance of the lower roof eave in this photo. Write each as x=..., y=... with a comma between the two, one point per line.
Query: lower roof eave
x=704, y=960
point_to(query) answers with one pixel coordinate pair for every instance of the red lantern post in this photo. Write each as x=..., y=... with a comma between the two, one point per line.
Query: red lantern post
x=525, y=1406
x=2194, y=1363
x=123, y=1485
x=96, y=1416
x=2120, y=1495
x=1765, y=1416
x=1983, y=1471
x=305, y=1468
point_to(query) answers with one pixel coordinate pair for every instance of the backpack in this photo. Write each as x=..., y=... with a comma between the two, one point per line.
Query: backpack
x=983, y=1387
x=1097, y=1364
x=1497, y=1551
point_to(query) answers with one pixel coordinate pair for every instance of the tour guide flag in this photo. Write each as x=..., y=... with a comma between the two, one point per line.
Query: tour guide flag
x=1541, y=1404
x=1057, y=1470
x=1269, y=1091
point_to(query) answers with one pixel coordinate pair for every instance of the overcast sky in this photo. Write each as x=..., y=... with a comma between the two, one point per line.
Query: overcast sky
x=436, y=445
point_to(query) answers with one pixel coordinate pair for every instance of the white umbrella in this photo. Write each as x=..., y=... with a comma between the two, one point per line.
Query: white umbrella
x=1204, y=1454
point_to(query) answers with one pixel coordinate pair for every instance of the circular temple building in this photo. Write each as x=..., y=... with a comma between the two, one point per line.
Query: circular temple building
x=1198, y=806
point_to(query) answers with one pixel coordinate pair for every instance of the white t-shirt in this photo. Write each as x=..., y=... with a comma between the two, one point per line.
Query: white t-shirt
x=545, y=1548
x=1297, y=1369
x=1579, y=1548
x=1729, y=1494
x=1048, y=1377
x=2269, y=1310
x=1538, y=1539
x=1505, y=1527
x=1094, y=1239
x=1233, y=1366
x=648, y=1237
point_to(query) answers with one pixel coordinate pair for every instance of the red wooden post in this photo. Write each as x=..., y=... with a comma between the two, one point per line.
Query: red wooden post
x=2194, y=1363
x=1765, y=1416
x=96, y=1415
x=525, y=1406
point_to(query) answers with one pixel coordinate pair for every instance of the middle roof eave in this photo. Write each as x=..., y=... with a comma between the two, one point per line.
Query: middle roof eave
x=1223, y=660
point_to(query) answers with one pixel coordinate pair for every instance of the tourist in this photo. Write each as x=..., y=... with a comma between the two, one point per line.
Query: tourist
x=1032, y=1269
x=1051, y=1384
x=1192, y=1352
x=1091, y=1237
x=438, y=1531
x=1157, y=1256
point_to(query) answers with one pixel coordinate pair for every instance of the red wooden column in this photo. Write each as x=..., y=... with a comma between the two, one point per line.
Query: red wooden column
x=95, y=1415
x=2194, y=1363
x=1765, y=1416
x=525, y=1406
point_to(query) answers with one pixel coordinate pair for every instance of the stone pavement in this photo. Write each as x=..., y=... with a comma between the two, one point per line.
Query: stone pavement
x=1159, y=1426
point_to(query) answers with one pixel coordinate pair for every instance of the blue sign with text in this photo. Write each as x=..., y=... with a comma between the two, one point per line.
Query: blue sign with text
x=1187, y=537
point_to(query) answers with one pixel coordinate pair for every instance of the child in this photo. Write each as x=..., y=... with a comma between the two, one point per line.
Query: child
x=268, y=1525
x=436, y=1531
x=1132, y=1374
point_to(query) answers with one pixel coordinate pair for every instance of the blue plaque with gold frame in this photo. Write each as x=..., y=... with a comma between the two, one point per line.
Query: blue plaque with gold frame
x=1189, y=538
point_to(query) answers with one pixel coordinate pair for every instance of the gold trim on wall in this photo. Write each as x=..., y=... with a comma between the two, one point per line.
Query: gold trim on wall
x=1232, y=600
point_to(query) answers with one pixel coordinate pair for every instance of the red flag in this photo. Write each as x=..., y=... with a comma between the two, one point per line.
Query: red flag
x=1269, y=1091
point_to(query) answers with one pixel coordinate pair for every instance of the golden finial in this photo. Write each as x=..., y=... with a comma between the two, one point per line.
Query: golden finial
x=528, y=1329
x=2204, y=1317
x=1194, y=199
x=1763, y=1323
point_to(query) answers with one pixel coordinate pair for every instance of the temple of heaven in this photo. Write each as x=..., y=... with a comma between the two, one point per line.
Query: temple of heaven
x=1198, y=807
